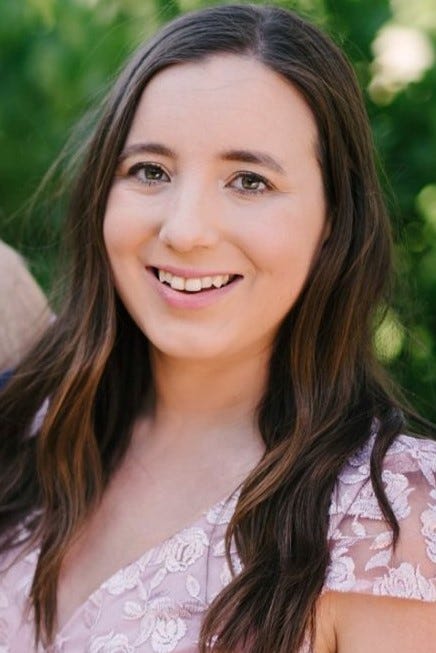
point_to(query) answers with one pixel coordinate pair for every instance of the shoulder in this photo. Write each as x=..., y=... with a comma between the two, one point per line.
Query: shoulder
x=409, y=467
x=362, y=555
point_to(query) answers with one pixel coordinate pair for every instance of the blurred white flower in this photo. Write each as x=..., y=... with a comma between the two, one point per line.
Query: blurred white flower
x=401, y=56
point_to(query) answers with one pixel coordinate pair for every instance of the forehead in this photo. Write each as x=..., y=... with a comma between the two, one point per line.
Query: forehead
x=233, y=99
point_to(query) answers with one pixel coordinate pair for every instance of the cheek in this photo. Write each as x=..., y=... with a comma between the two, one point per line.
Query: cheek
x=125, y=224
x=286, y=254
x=114, y=219
x=112, y=235
x=286, y=247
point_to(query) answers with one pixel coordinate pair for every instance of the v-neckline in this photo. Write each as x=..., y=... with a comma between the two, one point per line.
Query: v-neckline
x=147, y=556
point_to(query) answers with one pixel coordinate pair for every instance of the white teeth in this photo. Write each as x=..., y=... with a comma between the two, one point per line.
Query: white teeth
x=194, y=284
x=220, y=280
x=206, y=282
x=178, y=283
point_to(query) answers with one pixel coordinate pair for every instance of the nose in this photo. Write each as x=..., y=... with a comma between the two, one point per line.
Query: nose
x=189, y=220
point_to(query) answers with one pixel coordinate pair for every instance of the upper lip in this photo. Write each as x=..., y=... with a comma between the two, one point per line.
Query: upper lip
x=190, y=273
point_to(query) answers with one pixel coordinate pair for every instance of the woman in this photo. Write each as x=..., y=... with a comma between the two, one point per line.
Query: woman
x=211, y=383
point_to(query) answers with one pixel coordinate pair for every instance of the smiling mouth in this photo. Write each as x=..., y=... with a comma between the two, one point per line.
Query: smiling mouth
x=194, y=284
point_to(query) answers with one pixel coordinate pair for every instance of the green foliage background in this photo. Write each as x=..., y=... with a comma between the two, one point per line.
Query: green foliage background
x=58, y=56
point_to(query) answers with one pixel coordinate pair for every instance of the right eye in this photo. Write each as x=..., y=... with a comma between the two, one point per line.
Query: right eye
x=149, y=174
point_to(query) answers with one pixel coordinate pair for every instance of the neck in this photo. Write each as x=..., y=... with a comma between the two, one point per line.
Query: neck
x=198, y=405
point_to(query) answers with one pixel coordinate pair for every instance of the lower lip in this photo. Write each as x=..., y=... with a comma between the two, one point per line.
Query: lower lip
x=199, y=299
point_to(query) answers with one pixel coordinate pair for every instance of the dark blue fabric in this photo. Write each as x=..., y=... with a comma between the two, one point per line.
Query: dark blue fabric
x=4, y=377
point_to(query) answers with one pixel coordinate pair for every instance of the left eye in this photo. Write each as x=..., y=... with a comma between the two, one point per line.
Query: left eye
x=249, y=182
x=148, y=173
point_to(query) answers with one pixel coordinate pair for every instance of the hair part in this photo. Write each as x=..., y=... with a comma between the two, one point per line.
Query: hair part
x=325, y=386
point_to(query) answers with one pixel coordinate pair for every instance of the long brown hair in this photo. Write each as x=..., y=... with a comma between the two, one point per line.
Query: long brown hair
x=325, y=386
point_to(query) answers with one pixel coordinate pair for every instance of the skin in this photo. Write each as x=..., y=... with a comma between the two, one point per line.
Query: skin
x=196, y=209
x=194, y=214
x=358, y=623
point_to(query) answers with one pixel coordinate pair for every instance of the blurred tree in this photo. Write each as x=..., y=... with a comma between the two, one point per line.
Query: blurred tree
x=59, y=55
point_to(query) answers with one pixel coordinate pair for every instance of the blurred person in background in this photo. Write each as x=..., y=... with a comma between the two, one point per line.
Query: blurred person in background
x=223, y=465
x=24, y=310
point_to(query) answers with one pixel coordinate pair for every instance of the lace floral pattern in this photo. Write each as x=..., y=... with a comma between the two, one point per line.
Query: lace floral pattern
x=156, y=604
x=362, y=556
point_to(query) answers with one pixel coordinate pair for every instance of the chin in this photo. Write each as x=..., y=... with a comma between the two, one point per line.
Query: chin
x=189, y=350
x=189, y=346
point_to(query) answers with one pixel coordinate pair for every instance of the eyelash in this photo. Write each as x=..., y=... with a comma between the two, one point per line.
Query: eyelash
x=142, y=167
x=254, y=177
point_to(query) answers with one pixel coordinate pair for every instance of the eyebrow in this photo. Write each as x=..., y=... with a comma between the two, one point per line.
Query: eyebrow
x=249, y=156
x=245, y=156
x=146, y=148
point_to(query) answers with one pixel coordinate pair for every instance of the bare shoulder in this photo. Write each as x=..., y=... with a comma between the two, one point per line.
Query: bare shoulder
x=325, y=636
x=377, y=597
x=358, y=623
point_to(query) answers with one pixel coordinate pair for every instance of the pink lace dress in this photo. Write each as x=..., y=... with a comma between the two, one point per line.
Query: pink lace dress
x=156, y=604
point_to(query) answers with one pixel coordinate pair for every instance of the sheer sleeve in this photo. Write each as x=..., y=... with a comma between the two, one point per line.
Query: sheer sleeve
x=362, y=556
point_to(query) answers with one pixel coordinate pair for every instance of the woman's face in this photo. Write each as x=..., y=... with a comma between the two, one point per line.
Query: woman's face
x=217, y=210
